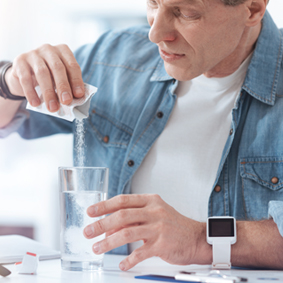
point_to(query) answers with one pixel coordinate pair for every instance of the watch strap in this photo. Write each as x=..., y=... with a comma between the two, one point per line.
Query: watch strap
x=4, y=90
x=221, y=251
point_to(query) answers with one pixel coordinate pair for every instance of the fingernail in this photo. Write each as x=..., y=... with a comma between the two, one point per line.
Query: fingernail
x=92, y=210
x=53, y=105
x=96, y=248
x=122, y=266
x=66, y=96
x=34, y=102
x=79, y=91
x=89, y=231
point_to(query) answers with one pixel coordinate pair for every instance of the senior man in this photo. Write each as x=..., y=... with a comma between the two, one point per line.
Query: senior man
x=189, y=122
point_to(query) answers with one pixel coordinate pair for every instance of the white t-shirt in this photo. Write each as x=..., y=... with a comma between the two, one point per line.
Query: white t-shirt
x=182, y=164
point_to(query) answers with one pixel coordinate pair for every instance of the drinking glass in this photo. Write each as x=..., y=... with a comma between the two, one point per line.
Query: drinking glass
x=80, y=187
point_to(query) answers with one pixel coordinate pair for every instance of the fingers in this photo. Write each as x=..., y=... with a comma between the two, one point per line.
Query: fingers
x=117, y=203
x=73, y=71
x=44, y=79
x=23, y=73
x=113, y=231
x=114, y=222
x=59, y=74
x=122, y=237
x=136, y=257
x=65, y=73
x=51, y=67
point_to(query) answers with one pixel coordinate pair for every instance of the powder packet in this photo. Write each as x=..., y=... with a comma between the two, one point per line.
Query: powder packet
x=78, y=109
x=29, y=264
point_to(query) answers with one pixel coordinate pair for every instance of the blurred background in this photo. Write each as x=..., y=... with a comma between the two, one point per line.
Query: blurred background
x=29, y=199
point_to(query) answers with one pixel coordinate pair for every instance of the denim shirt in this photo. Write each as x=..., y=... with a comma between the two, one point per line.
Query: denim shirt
x=134, y=89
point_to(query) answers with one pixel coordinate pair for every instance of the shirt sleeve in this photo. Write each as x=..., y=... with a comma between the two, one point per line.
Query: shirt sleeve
x=21, y=115
x=31, y=125
x=275, y=211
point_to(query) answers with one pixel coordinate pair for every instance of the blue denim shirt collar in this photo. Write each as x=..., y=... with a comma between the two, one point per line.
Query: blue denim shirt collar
x=160, y=73
x=259, y=83
x=268, y=53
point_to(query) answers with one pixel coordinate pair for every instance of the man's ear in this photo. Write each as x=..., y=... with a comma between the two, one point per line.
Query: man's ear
x=256, y=9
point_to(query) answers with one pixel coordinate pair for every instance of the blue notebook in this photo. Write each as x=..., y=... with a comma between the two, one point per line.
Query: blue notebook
x=161, y=278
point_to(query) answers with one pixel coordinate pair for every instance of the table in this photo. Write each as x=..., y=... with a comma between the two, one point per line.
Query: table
x=50, y=271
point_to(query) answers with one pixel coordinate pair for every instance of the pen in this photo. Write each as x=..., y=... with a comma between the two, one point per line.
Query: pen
x=214, y=274
x=205, y=279
x=236, y=278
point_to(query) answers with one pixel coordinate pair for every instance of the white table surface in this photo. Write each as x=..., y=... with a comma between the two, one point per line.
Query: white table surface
x=50, y=271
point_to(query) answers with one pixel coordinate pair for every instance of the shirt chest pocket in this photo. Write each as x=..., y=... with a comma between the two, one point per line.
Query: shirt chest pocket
x=262, y=181
x=109, y=131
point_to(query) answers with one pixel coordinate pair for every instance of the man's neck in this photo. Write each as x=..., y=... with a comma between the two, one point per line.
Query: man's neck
x=231, y=63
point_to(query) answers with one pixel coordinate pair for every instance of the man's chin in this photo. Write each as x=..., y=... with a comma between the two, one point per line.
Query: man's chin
x=179, y=73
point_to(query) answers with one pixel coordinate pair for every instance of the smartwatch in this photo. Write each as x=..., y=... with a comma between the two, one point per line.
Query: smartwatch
x=221, y=234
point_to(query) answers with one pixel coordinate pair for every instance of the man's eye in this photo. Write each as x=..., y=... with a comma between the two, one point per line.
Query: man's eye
x=152, y=2
x=187, y=16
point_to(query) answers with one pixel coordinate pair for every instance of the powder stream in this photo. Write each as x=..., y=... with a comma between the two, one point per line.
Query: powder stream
x=80, y=143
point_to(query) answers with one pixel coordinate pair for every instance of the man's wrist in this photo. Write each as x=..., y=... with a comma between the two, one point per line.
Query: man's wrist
x=4, y=89
x=246, y=244
x=204, y=250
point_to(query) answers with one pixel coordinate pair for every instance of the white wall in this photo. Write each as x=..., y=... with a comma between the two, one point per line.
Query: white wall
x=26, y=24
x=275, y=7
x=28, y=169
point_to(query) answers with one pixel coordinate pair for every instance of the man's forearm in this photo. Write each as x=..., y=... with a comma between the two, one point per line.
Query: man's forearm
x=259, y=244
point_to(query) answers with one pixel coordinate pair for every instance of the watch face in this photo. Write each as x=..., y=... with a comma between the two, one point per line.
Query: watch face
x=221, y=227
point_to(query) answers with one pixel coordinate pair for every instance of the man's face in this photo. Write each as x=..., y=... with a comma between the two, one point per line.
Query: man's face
x=195, y=36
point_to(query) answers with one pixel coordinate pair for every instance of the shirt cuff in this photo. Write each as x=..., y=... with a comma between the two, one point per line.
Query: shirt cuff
x=21, y=115
x=275, y=211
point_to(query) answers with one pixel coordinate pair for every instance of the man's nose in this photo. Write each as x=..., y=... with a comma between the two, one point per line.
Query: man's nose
x=162, y=28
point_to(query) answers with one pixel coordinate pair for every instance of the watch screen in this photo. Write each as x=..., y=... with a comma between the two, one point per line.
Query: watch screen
x=221, y=227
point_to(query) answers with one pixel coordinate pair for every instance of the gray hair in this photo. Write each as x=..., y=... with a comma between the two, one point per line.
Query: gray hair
x=234, y=2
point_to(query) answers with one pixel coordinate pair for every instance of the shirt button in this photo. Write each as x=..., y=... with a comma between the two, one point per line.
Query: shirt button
x=131, y=163
x=93, y=111
x=106, y=139
x=217, y=189
x=160, y=115
x=231, y=132
x=275, y=180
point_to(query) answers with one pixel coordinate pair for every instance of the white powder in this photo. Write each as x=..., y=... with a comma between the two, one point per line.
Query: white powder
x=76, y=247
x=79, y=247
x=80, y=143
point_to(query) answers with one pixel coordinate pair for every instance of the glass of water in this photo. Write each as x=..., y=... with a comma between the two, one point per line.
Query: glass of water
x=80, y=187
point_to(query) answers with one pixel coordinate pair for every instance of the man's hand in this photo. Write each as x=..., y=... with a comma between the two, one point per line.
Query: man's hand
x=49, y=67
x=165, y=232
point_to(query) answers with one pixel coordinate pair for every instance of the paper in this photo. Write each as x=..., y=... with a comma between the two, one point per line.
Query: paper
x=78, y=109
x=14, y=247
x=28, y=265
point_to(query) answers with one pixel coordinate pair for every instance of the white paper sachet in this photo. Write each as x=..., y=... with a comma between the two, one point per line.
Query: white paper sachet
x=78, y=109
x=29, y=264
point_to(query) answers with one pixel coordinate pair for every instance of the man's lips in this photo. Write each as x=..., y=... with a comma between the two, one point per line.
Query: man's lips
x=168, y=56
